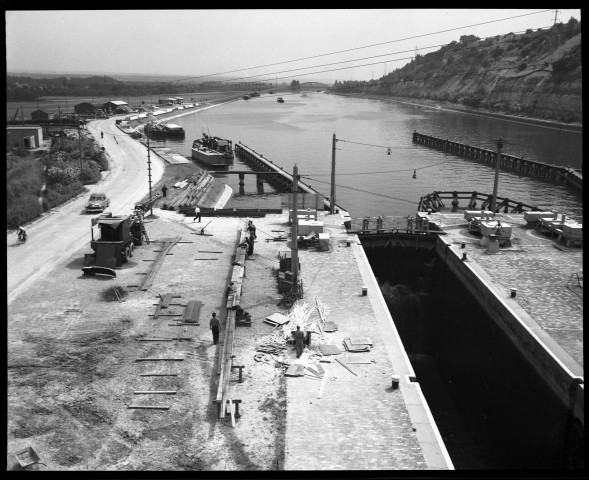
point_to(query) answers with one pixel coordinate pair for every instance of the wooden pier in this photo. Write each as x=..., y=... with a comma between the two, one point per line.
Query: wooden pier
x=282, y=180
x=569, y=177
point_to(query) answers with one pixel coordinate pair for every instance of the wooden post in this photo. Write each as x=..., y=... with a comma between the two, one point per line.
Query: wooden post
x=295, y=229
x=496, y=183
x=332, y=197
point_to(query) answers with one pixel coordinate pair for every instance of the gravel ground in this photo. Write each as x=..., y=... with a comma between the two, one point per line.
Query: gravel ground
x=72, y=368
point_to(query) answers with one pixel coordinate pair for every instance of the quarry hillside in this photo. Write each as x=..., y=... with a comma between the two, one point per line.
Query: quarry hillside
x=536, y=74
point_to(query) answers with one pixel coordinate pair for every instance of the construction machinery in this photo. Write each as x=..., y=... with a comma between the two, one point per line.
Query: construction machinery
x=114, y=237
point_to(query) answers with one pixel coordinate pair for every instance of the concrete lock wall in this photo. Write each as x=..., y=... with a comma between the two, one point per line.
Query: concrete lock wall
x=521, y=329
x=500, y=372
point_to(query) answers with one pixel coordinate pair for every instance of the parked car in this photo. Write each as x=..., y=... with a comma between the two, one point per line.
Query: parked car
x=97, y=202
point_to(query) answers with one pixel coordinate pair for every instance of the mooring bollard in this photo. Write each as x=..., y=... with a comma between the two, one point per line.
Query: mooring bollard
x=364, y=291
x=464, y=256
x=395, y=381
x=513, y=292
x=463, y=245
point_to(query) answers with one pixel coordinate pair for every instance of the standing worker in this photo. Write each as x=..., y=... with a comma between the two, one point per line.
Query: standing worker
x=164, y=190
x=251, y=228
x=299, y=338
x=101, y=134
x=249, y=243
x=215, y=326
x=196, y=214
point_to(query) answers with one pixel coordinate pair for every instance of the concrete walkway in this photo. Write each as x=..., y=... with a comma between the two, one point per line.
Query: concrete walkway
x=360, y=422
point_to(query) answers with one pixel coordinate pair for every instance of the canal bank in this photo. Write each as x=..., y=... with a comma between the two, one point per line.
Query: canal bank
x=538, y=122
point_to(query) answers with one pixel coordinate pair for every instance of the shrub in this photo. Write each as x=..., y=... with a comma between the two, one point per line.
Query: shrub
x=27, y=208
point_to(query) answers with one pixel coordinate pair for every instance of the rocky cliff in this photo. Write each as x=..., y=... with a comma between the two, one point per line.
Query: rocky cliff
x=537, y=74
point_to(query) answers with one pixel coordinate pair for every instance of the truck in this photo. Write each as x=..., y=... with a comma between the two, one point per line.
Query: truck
x=114, y=237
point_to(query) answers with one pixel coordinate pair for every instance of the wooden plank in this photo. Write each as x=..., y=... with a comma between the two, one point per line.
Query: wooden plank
x=159, y=359
x=192, y=311
x=166, y=300
x=156, y=339
x=158, y=375
x=345, y=366
x=155, y=392
x=149, y=407
x=181, y=324
x=232, y=411
x=320, y=392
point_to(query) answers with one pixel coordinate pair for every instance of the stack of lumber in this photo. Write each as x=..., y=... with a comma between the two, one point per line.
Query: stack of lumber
x=192, y=312
x=188, y=199
x=358, y=344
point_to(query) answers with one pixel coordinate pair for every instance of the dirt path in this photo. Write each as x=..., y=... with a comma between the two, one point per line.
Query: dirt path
x=72, y=362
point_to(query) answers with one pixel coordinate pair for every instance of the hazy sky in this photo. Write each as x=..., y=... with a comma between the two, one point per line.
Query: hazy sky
x=206, y=42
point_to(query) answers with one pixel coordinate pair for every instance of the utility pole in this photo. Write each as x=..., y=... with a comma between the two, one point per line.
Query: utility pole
x=149, y=174
x=80, y=145
x=497, y=162
x=555, y=16
x=294, y=258
x=332, y=197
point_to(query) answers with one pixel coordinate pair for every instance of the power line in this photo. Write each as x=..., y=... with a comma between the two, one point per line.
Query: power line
x=366, y=46
x=458, y=47
x=367, y=191
x=309, y=177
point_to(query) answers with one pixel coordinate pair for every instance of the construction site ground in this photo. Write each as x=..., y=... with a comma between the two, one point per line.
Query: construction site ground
x=73, y=348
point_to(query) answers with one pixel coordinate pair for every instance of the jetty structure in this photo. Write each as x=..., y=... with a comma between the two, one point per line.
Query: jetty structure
x=571, y=178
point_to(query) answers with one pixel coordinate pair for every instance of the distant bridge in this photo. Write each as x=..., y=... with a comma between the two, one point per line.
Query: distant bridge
x=314, y=85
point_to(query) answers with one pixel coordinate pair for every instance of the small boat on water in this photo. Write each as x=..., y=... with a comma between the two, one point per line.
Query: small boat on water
x=246, y=97
x=208, y=157
x=164, y=130
x=213, y=151
x=217, y=144
x=280, y=100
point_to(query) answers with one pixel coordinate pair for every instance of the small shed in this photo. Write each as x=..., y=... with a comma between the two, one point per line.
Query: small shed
x=86, y=108
x=164, y=101
x=113, y=105
x=41, y=115
x=30, y=136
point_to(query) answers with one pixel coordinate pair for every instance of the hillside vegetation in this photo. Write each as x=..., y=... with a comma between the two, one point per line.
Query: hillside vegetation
x=537, y=74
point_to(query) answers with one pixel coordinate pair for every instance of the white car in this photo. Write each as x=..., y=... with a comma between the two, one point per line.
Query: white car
x=97, y=203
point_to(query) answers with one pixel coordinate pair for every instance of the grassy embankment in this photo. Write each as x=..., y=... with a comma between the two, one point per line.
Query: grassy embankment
x=57, y=167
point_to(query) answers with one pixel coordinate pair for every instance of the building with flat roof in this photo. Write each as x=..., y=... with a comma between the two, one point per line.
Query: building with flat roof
x=29, y=136
x=113, y=105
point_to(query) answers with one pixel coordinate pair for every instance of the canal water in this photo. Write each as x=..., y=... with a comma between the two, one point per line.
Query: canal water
x=369, y=180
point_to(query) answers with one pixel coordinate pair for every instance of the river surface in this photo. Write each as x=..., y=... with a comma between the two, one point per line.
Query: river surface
x=369, y=181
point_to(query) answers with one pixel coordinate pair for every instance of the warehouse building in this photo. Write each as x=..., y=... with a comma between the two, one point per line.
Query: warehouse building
x=41, y=115
x=86, y=108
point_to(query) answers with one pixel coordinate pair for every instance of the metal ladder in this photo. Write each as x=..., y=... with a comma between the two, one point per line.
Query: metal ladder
x=143, y=231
